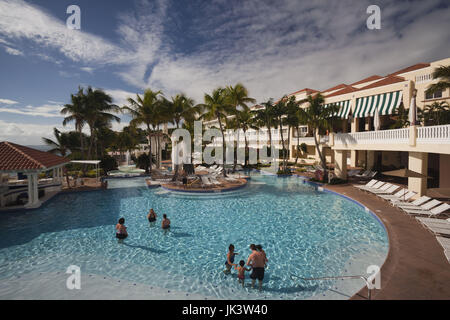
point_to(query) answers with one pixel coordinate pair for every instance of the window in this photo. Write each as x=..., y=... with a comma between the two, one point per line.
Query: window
x=436, y=95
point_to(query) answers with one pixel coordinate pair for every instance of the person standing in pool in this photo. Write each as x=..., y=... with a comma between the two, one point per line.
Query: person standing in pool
x=260, y=249
x=165, y=223
x=257, y=261
x=121, y=230
x=151, y=217
x=230, y=259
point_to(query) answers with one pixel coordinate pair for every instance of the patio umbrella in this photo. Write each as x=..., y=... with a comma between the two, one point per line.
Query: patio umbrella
x=405, y=173
x=376, y=120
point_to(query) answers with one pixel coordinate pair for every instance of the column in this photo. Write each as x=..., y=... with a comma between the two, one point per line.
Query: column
x=370, y=160
x=418, y=162
x=340, y=161
x=353, y=158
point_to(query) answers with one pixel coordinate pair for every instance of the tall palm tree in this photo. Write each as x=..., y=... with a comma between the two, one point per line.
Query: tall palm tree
x=181, y=109
x=279, y=111
x=98, y=106
x=237, y=96
x=291, y=120
x=264, y=117
x=217, y=108
x=143, y=110
x=443, y=74
x=245, y=121
x=76, y=111
x=318, y=117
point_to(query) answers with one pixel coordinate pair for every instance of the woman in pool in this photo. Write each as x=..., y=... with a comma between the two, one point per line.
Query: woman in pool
x=121, y=230
x=151, y=216
x=165, y=222
x=230, y=259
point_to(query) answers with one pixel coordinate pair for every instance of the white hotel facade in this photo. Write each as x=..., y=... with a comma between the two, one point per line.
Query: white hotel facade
x=354, y=142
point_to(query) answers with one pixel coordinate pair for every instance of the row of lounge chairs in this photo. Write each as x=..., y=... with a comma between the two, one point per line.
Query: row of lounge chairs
x=423, y=206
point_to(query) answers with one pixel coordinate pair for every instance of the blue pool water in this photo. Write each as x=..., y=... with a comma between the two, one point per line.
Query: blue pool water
x=304, y=232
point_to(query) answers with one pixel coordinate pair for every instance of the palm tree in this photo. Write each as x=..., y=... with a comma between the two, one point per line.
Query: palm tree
x=98, y=106
x=237, y=97
x=292, y=120
x=61, y=145
x=279, y=111
x=245, y=121
x=438, y=113
x=76, y=112
x=443, y=74
x=143, y=110
x=264, y=117
x=181, y=108
x=318, y=117
x=217, y=107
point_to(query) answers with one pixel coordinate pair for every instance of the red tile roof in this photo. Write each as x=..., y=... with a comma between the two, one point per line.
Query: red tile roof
x=410, y=68
x=17, y=157
x=347, y=89
x=339, y=86
x=384, y=82
x=306, y=89
x=368, y=79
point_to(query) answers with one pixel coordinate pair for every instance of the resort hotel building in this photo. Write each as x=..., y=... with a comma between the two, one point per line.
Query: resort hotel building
x=355, y=142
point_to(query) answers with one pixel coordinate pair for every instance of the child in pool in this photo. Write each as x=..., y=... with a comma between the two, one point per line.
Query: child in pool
x=241, y=271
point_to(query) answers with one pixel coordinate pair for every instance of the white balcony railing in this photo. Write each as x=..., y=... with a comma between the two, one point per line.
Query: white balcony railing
x=373, y=137
x=433, y=134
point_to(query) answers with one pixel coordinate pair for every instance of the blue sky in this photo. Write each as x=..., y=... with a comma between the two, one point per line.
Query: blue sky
x=273, y=47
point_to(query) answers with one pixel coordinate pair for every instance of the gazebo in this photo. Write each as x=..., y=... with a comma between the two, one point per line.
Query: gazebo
x=15, y=158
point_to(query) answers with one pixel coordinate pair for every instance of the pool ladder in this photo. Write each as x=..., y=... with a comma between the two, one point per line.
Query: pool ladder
x=366, y=280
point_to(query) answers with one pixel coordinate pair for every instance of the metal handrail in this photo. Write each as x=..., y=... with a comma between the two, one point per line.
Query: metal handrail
x=340, y=277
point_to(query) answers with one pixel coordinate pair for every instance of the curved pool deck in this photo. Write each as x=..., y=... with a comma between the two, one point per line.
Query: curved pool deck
x=416, y=267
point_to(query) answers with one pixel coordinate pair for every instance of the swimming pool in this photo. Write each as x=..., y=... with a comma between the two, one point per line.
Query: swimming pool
x=304, y=232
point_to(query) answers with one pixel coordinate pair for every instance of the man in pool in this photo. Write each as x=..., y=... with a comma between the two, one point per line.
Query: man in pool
x=257, y=261
x=165, y=222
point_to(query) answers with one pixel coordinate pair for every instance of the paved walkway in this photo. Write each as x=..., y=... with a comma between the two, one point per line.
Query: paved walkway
x=416, y=267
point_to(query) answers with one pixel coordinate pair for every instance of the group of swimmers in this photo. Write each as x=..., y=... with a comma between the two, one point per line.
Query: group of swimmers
x=257, y=262
x=121, y=230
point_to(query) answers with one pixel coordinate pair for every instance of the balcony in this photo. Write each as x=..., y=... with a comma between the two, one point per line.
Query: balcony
x=434, y=139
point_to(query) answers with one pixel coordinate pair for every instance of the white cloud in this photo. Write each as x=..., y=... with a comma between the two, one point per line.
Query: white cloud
x=7, y=101
x=120, y=96
x=88, y=70
x=27, y=134
x=13, y=51
x=46, y=111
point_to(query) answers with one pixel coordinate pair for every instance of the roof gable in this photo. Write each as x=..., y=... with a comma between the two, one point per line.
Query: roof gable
x=17, y=157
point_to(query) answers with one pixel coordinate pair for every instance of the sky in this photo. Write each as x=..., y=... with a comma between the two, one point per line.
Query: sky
x=193, y=46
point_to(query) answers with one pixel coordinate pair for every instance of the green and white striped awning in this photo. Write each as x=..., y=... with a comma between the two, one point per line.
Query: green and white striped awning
x=344, y=109
x=385, y=102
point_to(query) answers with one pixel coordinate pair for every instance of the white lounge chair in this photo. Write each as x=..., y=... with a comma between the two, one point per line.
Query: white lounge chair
x=426, y=206
x=405, y=197
x=416, y=203
x=383, y=188
x=376, y=186
x=206, y=182
x=371, y=183
x=214, y=181
x=396, y=195
x=431, y=212
x=433, y=222
x=389, y=190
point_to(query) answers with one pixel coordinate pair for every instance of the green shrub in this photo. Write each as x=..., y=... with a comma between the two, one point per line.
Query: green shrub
x=335, y=180
x=108, y=163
